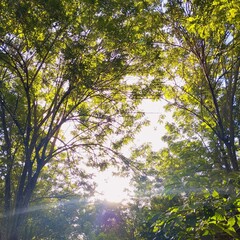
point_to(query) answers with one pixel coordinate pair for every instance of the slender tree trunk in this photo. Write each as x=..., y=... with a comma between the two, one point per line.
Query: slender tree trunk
x=232, y=156
x=224, y=157
x=19, y=215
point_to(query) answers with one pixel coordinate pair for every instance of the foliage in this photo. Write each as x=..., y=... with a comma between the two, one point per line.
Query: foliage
x=199, y=64
x=62, y=97
x=196, y=71
x=192, y=200
x=75, y=219
x=65, y=105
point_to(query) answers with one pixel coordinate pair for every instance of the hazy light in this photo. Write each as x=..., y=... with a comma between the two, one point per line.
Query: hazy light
x=111, y=188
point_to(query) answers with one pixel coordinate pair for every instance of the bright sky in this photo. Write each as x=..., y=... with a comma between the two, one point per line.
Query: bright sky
x=113, y=187
x=152, y=133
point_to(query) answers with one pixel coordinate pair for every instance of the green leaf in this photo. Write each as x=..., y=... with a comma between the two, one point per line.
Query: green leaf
x=215, y=194
x=231, y=221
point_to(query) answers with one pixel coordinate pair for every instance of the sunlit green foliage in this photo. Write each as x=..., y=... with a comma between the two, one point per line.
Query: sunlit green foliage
x=65, y=105
x=76, y=219
x=63, y=97
x=197, y=72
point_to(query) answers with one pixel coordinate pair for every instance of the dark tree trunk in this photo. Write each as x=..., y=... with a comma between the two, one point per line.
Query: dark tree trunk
x=17, y=219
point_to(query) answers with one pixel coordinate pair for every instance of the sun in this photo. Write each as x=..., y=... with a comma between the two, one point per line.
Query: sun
x=112, y=188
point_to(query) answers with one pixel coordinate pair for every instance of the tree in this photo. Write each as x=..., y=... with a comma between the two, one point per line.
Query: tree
x=196, y=70
x=62, y=65
x=183, y=194
x=76, y=219
x=198, y=64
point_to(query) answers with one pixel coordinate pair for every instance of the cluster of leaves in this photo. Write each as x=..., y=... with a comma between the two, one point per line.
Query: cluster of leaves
x=201, y=215
x=62, y=66
x=62, y=96
x=72, y=218
x=192, y=201
x=197, y=73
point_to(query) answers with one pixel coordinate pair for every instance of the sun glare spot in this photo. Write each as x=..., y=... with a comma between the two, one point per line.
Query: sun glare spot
x=112, y=188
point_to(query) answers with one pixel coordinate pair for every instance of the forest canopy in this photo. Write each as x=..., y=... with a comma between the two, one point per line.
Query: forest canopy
x=66, y=104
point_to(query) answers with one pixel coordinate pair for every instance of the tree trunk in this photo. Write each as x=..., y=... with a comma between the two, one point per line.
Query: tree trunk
x=232, y=156
x=18, y=216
